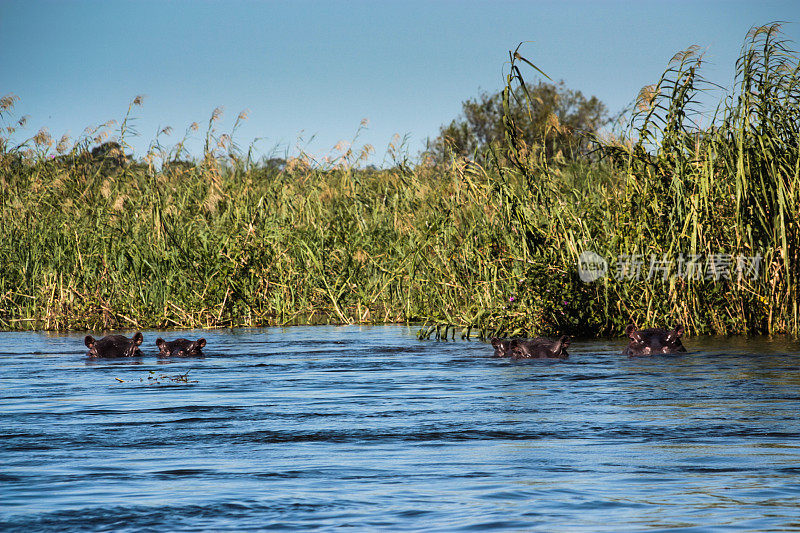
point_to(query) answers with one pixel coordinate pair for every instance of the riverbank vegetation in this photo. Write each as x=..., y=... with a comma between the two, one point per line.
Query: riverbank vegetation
x=698, y=220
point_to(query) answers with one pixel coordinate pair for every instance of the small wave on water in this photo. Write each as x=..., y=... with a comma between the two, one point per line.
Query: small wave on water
x=368, y=428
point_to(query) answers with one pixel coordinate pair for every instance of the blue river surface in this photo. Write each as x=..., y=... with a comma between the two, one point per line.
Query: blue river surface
x=370, y=429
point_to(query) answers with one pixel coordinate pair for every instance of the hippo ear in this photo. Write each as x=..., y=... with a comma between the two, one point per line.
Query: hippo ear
x=138, y=338
x=565, y=341
x=160, y=342
x=88, y=341
x=201, y=343
x=629, y=330
x=675, y=334
x=496, y=342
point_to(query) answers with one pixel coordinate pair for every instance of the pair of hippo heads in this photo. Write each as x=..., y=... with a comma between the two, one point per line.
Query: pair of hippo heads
x=643, y=342
x=122, y=346
x=538, y=348
x=653, y=341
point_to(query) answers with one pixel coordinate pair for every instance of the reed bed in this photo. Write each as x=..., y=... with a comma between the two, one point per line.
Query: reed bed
x=93, y=239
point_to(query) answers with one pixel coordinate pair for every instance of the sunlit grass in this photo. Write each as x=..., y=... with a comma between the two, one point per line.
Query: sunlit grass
x=92, y=239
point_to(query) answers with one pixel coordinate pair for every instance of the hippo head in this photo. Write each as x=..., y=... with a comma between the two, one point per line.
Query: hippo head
x=542, y=348
x=654, y=341
x=114, y=345
x=502, y=347
x=192, y=348
x=180, y=347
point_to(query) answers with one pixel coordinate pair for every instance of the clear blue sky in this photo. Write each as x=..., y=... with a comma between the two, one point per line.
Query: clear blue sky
x=317, y=68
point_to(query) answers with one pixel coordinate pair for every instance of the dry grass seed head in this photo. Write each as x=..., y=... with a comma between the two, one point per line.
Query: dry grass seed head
x=43, y=137
x=105, y=189
x=119, y=203
x=63, y=144
x=295, y=164
x=683, y=55
x=213, y=199
x=553, y=123
x=361, y=256
x=327, y=193
x=7, y=101
x=365, y=152
x=646, y=98
x=58, y=183
x=768, y=29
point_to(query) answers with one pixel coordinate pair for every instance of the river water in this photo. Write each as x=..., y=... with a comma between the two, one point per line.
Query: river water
x=368, y=428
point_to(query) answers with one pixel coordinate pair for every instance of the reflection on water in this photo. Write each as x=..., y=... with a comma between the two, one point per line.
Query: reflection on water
x=369, y=428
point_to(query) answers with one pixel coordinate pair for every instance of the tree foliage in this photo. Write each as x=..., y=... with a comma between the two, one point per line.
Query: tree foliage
x=556, y=121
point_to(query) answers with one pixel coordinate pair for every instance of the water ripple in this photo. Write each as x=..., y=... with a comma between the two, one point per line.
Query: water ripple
x=323, y=428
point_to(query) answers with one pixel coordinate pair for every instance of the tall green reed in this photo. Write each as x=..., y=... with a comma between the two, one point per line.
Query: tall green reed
x=93, y=241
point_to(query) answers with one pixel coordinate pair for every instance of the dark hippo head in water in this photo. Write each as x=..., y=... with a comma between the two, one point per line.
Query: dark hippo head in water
x=538, y=348
x=114, y=345
x=541, y=348
x=180, y=347
x=653, y=341
x=503, y=347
